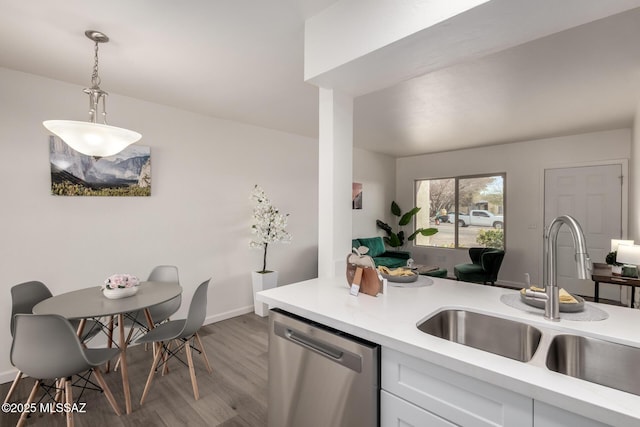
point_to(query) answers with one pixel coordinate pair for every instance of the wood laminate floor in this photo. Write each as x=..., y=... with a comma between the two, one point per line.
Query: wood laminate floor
x=235, y=394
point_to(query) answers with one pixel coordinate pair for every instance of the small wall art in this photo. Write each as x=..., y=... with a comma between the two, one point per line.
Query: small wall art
x=356, y=196
x=127, y=173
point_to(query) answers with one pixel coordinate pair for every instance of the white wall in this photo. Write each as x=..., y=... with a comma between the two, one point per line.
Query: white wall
x=634, y=191
x=377, y=174
x=198, y=216
x=524, y=164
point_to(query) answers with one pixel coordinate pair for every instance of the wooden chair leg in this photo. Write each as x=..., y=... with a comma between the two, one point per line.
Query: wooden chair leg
x=152, y=372
x=57, y=398
x=204, y=353
x=192, y=371
x=14, y=385
x=69, y=400
x=106, y=390
x=32, y=396
x=165, y=358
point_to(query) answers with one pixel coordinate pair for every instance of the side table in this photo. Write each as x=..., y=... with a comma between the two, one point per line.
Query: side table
x=602, y=274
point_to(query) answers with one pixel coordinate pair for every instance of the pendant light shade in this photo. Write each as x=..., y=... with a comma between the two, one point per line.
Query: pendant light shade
x=92, y=138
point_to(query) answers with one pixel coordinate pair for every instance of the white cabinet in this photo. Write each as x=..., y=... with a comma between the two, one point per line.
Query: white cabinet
x=551, y=416
x=446, y=396
x=397, y=412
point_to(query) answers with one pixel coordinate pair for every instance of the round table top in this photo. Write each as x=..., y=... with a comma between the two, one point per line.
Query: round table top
x=90, y=302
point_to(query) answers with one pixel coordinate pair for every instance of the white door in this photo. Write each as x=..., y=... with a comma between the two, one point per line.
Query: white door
x=593, y=196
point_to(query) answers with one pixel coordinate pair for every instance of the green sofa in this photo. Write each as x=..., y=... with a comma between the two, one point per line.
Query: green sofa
x=380, y=255
x=484, y=267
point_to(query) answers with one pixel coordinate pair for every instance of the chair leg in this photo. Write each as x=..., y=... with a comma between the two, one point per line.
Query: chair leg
x=58, y=397
x=192, y=371
x=14, y=385
x=32, y=396
x=69, y=400
x=152, y=372
x=204, y=353
x=165, y=358
x=106, y=390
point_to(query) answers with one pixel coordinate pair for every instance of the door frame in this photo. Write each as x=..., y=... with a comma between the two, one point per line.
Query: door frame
x=624, y=164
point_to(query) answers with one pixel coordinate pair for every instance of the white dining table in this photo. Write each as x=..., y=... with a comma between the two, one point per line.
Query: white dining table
x=90, y=303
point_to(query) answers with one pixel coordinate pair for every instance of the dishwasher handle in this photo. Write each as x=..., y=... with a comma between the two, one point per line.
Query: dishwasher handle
x=313, y=344
x=338, y=355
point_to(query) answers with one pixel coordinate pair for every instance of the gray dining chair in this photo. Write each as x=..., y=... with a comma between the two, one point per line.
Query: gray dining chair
x=185, y=333
x=136, y=321
x=24, y=296
x=46, y=347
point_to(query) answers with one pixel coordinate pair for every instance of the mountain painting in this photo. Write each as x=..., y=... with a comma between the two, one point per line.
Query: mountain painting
x=127, y=173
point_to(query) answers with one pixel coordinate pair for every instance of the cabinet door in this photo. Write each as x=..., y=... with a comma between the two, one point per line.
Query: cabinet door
x=545, y=415
x=395, y=412
x=455, y=397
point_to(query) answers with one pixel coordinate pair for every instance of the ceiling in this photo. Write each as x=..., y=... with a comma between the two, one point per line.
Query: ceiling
x=243, y=60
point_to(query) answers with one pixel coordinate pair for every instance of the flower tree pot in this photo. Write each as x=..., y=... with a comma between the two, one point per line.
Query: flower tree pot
x=262, y=281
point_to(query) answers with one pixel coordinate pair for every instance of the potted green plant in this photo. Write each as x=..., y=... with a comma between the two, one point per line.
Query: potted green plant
x=268, y=227
x=616, y=267
x=396, y=239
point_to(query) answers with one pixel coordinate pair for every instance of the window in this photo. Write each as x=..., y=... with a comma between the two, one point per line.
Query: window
x=467, y=211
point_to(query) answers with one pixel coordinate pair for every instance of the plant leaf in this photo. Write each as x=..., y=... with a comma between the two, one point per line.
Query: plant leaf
x=394, y=240
x=424, y=232
x=384, y=226
x=395, y=209
x=406, y=218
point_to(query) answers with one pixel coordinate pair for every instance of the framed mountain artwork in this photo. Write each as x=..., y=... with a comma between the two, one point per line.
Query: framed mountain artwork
x=127, y=173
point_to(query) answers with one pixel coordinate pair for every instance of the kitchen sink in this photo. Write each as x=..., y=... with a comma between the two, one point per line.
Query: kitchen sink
x=598, y=361
x=499, y=336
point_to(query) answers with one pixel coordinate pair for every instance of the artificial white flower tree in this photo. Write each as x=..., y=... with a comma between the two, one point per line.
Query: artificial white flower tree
x=268, y=224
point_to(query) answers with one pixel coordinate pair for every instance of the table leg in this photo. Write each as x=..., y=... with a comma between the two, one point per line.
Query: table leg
x=596, y=295
x=123, y=363
x=633, y=294
x=109, y=341
x=80, y=329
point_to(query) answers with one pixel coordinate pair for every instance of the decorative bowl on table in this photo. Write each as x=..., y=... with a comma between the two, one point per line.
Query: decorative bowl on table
x=400, y=274
x=118, y=293
x=119, y=286
x=568, y=303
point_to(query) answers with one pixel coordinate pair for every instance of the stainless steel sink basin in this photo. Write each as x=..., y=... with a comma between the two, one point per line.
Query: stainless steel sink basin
x=598, y=361
x=504, y=337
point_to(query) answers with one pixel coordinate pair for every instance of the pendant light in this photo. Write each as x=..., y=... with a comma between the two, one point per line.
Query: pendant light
x=92, y=138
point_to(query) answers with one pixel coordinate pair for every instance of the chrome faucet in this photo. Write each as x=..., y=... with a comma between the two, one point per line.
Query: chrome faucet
x=551, y=294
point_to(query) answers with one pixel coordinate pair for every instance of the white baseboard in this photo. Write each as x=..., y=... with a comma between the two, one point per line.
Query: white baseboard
x=8, y=377
x=228, y=314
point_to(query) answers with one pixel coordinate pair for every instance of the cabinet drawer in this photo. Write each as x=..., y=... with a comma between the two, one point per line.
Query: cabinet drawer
x=455, y=397
x=552, y=416
x=395, y=412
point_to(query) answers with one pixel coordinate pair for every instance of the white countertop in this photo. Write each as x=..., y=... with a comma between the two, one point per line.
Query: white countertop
x=390, y=320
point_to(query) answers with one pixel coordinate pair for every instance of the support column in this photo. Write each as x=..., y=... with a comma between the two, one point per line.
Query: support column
x=334, y=183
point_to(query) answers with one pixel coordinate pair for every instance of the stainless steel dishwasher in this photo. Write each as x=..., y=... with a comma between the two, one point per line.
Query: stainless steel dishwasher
x=320, y=377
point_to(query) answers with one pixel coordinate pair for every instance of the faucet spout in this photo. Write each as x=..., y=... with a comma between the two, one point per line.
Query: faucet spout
x=583, y=262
